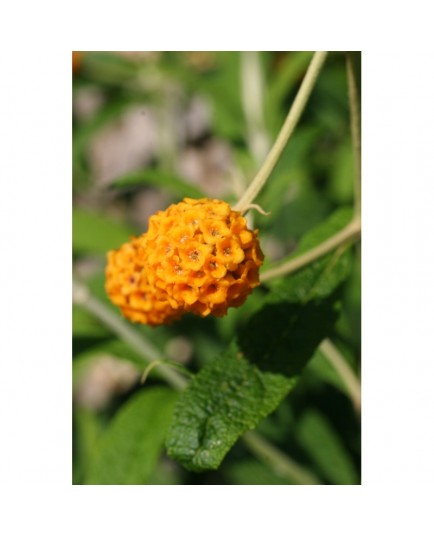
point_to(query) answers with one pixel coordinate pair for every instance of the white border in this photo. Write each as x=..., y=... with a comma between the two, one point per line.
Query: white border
x=35, y=270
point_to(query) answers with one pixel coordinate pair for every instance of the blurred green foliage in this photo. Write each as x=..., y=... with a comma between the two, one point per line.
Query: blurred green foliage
x=194, y=141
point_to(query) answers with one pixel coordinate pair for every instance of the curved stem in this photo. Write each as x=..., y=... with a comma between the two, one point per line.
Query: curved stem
x=355, y=130
x=348, y=234
x=337, y=360
x=148, y=351
x=281, y=464
x=285, y=132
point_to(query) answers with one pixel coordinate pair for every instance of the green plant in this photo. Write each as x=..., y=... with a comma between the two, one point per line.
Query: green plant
x=295, y=335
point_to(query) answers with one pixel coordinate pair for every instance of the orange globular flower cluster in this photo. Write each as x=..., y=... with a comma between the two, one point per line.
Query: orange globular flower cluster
x=197, y=256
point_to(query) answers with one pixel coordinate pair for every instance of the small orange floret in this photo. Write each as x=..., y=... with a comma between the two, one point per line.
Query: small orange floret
x=128, y=287
x=198, y=256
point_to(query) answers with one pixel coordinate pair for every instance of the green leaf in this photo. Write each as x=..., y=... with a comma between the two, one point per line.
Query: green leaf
x=320, y=278
x=226, y=398
x=235, y=391
x=130, y=447
x=160, y=179
x=326, y=449
x=96, y=233
x=282, y=336
x=87, y=430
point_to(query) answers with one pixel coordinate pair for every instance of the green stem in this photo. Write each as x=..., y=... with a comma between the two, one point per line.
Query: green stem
x=149, y=352
x=354, y=99
x=350, y=380
x=281, y=464
x=285, y=132
x=252, y=98
x=348, y=234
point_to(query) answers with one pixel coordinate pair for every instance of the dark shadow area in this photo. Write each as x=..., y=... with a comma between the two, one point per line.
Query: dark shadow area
x=282, y=337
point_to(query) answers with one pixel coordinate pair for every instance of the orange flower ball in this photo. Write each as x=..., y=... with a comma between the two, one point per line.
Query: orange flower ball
x=198, y=256
x=202, y=256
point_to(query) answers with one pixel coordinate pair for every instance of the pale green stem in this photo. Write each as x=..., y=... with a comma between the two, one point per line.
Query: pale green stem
x=350, y=380
x=348, y=234
x=285, y=132
x=281, y=464
x=82, y=297
x=259, y=446
x=252, y=89
x=355, y=132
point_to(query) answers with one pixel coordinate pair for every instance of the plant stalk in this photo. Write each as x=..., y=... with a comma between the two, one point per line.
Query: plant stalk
x=252, y=98
x=338, y=362
x=149, y=352
x=281, y=464
x=285, y=132
x=354, y=99
x=348, y=234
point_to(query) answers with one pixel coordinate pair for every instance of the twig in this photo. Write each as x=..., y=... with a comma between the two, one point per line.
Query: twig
x=149, y=352
x=281, y=464
x=347, y=234
x=285, y=132
x=355, y=130
x=350, y=380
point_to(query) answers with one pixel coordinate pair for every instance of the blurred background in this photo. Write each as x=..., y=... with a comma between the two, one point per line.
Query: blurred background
x=150, y=128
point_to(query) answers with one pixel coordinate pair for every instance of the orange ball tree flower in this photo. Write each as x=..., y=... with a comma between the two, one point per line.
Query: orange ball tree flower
x=197, y=256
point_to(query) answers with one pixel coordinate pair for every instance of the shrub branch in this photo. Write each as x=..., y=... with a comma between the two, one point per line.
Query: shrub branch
x=150, y=354
x=285, y=132
x=354, y=99
x=349, y=378
x=348, y=234
x=281, y=464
